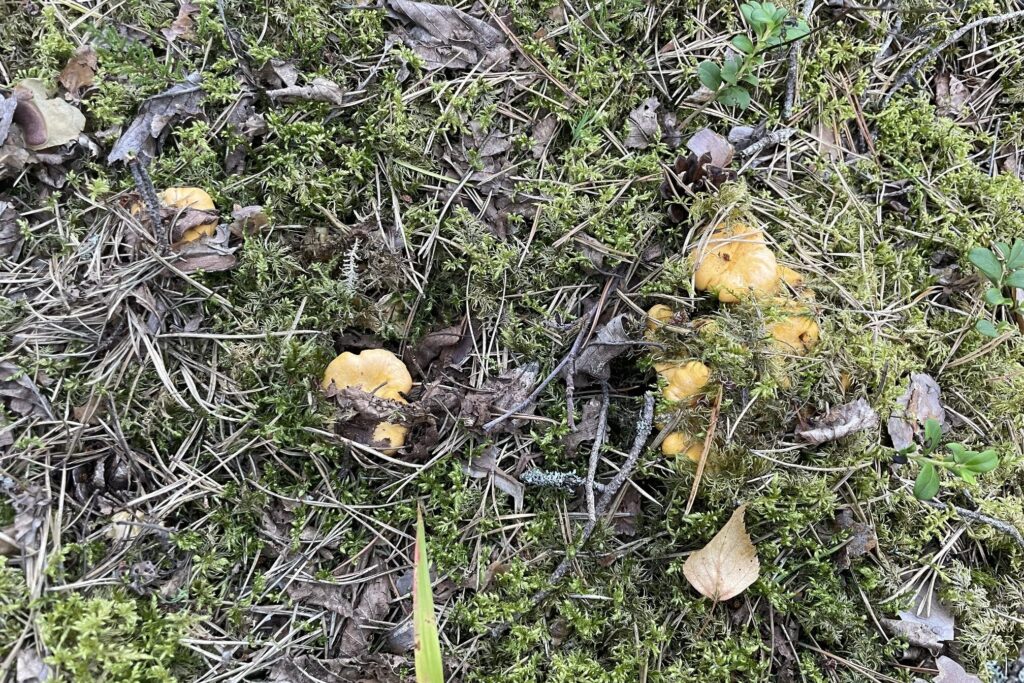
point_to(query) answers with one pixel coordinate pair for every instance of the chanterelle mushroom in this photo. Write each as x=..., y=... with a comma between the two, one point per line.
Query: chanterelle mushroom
x=378, y=372
x=191, y=198
x=681, y=443
x=683, y=380
x=796, y=333
x=658, y=315
x=736, y=263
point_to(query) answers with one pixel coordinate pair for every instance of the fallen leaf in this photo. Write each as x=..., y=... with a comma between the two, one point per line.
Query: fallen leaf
x=728, y=564
x=543, y=133
x=31, y=668
x=151, y=126
x=586, y=427
x=499, y=394
x=841, y=421
x=31, y=508
x=707, y=141
x=8, y=105
x=248, y=220
x=79, y=72
x=62, y=122
x=642, y=124
x=485, y=466
x=627, y=515
x=209, y=253
x=319, y=90
x=183, y=25
x=448, y=38
x=125, y=525
x=951, y=672
x=277, y=73
x=10, y=231
x=670, y=133
x=929, y=624
x=436, y=344
x=368, y=668
x=371, y=607
x=950, y=95
x=22, y=394
x=244, y=122
x=920, y=402
x=862, y=539
x=741, y=137
x=610, y=342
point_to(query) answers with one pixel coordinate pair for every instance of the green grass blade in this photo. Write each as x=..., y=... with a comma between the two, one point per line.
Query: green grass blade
x=429, y=667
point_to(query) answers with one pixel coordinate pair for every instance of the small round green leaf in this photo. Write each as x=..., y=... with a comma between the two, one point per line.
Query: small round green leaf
x=986, y=328
x=1016, y=279
x=743, y=44
x=994, y=296
x=985, y=261
x=710, y=75
x=735, y=96
x=730, y=70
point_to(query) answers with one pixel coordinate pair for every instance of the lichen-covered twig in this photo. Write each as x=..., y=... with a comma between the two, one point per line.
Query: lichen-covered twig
x=794, y=68
x=149, y=198
x=611, y=489
x=999, y=524
x=595, y=451
x=956, y=35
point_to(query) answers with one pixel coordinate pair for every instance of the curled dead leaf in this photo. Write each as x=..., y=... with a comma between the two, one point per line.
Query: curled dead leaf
x=46, y=121
x=79, y=72
x=841, y=421
x=922, y=401
x=728, y=564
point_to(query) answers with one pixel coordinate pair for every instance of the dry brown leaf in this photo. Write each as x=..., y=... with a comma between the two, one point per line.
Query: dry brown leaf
x=486, y=466
x=707, y=141
x=319, y=90
x=950, y=95
x=728, y=564
x=611, y=341
x=152, y=124
x=642, y=124
x=448, y=38
x=183, y=25
x=10, y=231
x=61, y=122
x=920, y=402
x=79, y=72
x=842, y=421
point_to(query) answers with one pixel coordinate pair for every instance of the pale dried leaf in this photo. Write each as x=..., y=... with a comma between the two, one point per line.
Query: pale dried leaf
x=8, y=105
x=183, y=25
x=63, y=121
x=79, y=73
x=707, y=141
x=499, y=394
x=152, y=124
x=543, y=132
x=915, y=634
x=209, y=253
x=485, y=466
x=448, y=38
x=728, y=564
x=920, y=402
x=841, y=421
x=950, y=95
x=319, y=90
x=952, y=672
x=10, y=231
x=862, y=539
x=329, y=596
x=642, y=124
x=21, y=393
x=586, y=427
x=371, y=607
x=278, y=73
x=31, y=668
x=611, y=341
x=932, y=614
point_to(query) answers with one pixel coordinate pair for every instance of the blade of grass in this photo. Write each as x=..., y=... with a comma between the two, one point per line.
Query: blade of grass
x=429, y=667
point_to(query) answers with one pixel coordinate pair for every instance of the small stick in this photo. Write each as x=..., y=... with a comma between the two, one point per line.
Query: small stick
x=776, y=137
x=571, y=356
x=794, y=68
x=643, y=432
x=595, y=451
x=149, y=197
x=712, y=425
x=999, y=524
x=953, y=37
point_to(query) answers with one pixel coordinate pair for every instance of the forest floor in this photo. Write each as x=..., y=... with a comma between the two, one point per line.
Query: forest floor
x=791, y=230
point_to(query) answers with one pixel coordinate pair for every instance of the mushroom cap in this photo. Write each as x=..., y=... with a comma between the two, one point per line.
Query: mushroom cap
x=796, y=333
x=658, y=315
x=391, y=434
x=736, y=262
x=683, y=380
x=375, y=371
x=681, y=443
x=191, y=198
x=791, y=277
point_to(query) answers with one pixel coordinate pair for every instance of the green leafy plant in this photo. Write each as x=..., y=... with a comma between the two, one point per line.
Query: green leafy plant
x=770, y=26
x=1003, y=267
x=429, y=666
x=959, y=461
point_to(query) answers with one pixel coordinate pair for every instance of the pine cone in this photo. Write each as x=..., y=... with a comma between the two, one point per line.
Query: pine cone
x=694, y=174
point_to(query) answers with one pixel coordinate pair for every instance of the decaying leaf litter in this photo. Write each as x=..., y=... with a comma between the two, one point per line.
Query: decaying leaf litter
x=542, y=215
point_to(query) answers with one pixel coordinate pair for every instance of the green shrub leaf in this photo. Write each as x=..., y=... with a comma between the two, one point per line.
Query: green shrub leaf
x=985, y=261
x=986, y=328
x=927, y=484
x=710, y=75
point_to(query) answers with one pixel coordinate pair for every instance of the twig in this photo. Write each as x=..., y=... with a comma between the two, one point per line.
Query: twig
x=708, y=440
x=776, y=137
x=611, y=489
x=954, y=37
x=571, y=356
x=999, y=524
x=595, y=451
x=794, y=68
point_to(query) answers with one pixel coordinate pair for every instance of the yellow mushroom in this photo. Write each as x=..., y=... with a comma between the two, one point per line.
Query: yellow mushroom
x=658, y=315
x=796, y=333
x=735, y=263
x=378, y=372
x=191, y=198
x=681, y=443
x=683, y=380
x=790, y=276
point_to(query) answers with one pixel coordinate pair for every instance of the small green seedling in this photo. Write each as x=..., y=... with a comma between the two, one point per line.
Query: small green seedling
x=731, y=80
x=1003, y=266
x=960, y=461
x=429, y=665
